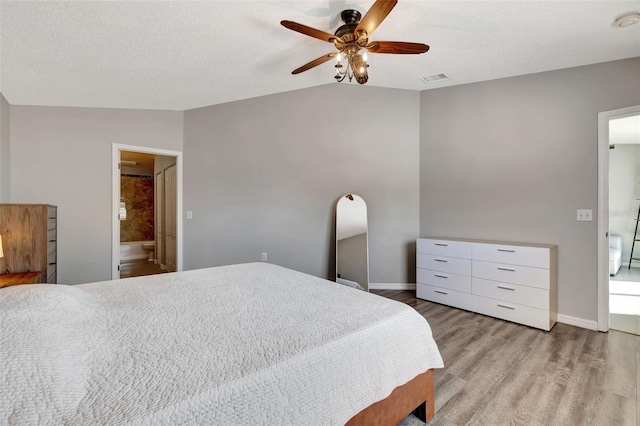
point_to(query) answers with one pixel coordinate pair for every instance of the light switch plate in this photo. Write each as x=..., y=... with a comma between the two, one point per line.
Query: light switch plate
x=189, y=214
x=585, y=215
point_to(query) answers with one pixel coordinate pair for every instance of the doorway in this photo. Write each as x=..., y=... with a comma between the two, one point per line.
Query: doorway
x=147, y=199
x=619, y=211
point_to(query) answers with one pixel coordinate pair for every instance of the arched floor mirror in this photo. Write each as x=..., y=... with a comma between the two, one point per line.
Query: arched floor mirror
x=352, y=242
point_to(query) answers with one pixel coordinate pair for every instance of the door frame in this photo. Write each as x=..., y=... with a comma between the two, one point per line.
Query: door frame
x=159, y=217
x=603, y=210
x=116, y=148
x=164, y=201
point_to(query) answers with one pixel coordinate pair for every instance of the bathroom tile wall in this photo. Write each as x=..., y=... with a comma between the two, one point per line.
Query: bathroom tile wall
x=137, y=194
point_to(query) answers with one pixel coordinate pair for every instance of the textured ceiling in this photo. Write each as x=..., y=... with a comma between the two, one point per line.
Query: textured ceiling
x=179, y=55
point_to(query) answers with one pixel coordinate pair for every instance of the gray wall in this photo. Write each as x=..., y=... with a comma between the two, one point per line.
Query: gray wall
x=5, y=150
x=62, y=156
x=513, y=159
x=264, y=175
x=624, y=175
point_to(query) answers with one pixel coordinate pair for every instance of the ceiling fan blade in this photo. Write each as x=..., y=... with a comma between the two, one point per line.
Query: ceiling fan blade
x=375, y=16
x=311, y=32
x=397, y=47
x=315, y=63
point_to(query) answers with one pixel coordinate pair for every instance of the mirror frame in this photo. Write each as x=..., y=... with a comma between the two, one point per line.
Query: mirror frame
x=351, y=197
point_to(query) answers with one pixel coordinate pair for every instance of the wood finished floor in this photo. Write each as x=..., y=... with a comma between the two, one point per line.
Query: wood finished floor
x=500, y=373
x=138, y=268
x=627, y=274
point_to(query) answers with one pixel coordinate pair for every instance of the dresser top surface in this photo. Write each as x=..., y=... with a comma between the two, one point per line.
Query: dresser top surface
x=17, y=278
x=504, y=243
x=26, y=204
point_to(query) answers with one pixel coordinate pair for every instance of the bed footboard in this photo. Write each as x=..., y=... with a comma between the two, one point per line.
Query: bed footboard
x=417, y=396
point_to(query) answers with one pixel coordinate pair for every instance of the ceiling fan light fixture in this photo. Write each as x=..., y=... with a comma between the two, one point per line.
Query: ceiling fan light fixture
x=352, y=38
x=359, y=68
x=627, y=20
x=356, y=67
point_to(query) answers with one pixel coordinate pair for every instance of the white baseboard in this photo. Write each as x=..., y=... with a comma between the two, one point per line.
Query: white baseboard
x=565, y=319
x=578, y=322
x=392, y=286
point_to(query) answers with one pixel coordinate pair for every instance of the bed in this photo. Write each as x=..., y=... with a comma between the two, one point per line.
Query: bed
x=241, y=344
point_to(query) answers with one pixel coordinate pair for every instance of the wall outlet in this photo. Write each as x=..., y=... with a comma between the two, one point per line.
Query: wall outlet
x=585, y=215
x=264, y=256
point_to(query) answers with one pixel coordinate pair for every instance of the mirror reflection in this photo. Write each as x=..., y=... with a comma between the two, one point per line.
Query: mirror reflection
x=352, y=253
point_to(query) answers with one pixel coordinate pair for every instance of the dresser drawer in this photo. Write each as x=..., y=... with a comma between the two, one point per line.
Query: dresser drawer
x=51, y=274
x=526, y=315
x=524, y=275
x=452, y=265
x=51, y=257
x=447, y=248
x=444, y=279
x=52, y=212
x=51, y=269
x=51, y=223
x=513, y=293
x=513, y=255
x=51, y=246
x=445, y=296
x=52, y=235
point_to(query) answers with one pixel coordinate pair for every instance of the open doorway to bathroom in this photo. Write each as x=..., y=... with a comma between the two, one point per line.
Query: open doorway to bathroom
x=146, y=201
x=624, y=232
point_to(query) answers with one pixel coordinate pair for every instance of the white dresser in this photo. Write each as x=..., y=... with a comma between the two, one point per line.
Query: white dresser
x=513, y=281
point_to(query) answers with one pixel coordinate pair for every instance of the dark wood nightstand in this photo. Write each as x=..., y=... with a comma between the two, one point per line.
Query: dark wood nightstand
x=7, y=280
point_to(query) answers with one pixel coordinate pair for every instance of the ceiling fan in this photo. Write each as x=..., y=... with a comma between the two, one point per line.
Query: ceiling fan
x=352, y=37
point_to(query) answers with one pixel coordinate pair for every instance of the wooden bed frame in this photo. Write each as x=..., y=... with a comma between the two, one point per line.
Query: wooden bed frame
x=415, y=396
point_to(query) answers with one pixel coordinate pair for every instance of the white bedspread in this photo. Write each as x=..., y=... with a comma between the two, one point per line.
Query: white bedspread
x=242, y=344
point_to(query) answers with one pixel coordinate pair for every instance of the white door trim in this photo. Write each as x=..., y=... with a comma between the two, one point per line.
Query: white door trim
x=115, y=191
x=159, y=217
x=603, y=210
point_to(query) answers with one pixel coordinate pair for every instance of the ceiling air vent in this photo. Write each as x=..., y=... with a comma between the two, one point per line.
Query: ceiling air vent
x=434, y=78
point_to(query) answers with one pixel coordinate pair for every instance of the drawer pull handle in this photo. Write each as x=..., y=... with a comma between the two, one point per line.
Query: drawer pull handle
x=506, y=306
x=507, y=269
x=440, y=276
x=441, y=292
x=441, y=260
x=52, y=241
x=507, y=251
x=506, y=288
x=52, y=263
x=441, y=244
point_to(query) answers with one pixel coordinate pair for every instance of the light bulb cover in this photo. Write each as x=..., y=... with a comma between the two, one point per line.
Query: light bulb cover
x=627, y=20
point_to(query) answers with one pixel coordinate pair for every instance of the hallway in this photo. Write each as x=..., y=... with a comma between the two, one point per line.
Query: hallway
x=624, y=300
